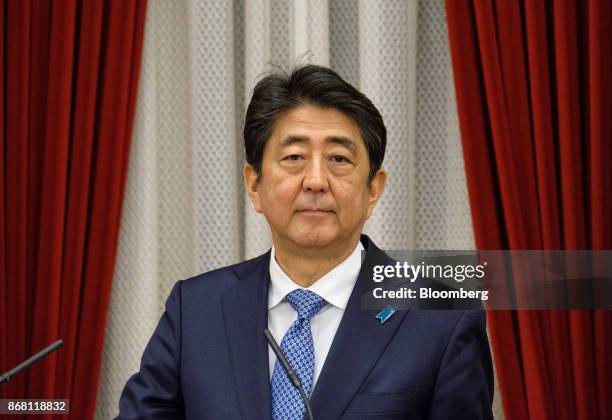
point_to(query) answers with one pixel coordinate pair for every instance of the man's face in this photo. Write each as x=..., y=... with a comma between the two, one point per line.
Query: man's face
x=313, y=189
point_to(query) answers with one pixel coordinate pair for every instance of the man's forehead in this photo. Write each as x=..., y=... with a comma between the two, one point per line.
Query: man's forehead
x=309, y=123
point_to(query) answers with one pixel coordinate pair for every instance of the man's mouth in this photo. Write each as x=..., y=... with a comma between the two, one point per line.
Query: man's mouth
x=314, y=211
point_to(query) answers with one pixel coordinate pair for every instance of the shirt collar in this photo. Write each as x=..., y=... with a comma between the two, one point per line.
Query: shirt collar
x=335, y=286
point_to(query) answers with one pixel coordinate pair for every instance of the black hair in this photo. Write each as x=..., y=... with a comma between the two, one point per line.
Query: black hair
x=280, y=92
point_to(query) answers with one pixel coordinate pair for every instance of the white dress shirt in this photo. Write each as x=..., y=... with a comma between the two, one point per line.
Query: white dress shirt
x=335, y=287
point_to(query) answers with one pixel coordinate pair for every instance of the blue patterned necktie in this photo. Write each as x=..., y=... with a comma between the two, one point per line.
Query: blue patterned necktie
x=297, y=344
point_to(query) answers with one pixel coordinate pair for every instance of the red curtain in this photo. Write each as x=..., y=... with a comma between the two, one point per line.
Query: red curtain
x=68, y=83
x=533, y=82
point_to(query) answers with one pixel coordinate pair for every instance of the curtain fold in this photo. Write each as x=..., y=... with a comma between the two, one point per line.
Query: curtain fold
x=17, y=18
x=71, y=71
x=3, y=286
x=534, y=91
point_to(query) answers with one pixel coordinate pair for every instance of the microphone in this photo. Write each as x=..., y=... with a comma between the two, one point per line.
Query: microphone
x=293, y=377
x=43, y=353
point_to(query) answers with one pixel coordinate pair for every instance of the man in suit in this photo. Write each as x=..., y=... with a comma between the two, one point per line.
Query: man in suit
x=314, y=148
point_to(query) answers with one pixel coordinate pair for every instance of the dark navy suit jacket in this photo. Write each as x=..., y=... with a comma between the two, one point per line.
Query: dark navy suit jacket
x=208, y=357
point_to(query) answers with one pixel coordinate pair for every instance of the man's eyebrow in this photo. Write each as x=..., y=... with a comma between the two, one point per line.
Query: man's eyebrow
x=343, y=141
x=340, y=140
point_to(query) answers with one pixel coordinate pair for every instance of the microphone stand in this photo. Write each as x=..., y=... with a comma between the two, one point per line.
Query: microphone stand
x=293, y=377
x=43, y=353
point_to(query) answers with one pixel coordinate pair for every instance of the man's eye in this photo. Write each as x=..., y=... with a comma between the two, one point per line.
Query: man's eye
x=293, y=157
x=339, y=159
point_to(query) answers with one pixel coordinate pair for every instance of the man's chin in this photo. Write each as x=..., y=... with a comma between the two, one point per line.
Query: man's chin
x=313, y=240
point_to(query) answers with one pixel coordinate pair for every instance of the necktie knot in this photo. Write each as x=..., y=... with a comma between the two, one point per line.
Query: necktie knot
x=306, y=303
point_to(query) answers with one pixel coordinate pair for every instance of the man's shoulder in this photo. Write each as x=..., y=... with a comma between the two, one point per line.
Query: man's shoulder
x=446, y=321
x=224, y=277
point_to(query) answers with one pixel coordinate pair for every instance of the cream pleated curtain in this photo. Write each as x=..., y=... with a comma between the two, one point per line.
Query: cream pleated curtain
x=185, y=210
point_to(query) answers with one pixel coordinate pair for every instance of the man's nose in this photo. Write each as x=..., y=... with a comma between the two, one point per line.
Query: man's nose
x=315, y=178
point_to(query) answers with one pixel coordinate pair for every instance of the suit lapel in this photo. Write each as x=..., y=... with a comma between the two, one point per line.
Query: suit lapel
x=358, y=344
x=245, y=312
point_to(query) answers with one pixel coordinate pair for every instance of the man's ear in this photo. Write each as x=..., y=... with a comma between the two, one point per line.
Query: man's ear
x=251, y=183
x=375, y=190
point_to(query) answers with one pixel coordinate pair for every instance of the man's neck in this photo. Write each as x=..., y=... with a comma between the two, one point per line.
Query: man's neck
x=305, y=267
